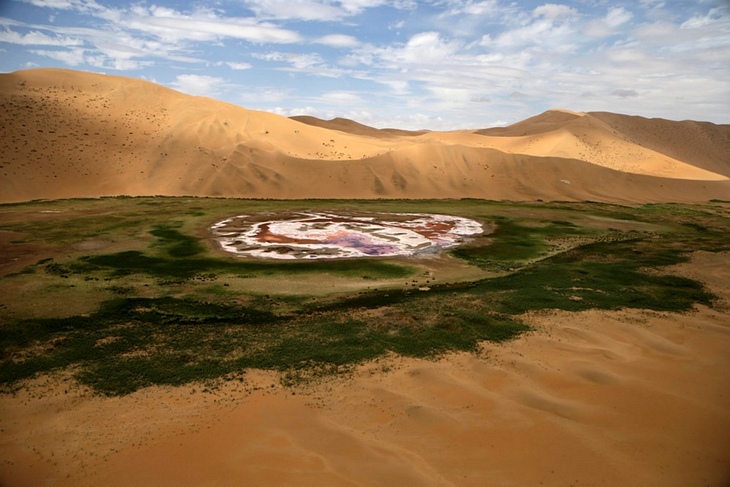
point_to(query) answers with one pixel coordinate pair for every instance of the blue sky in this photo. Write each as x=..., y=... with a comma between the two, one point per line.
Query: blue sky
x=436, y=64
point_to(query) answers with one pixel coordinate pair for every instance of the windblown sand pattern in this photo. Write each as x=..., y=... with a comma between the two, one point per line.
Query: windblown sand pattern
x=312, y=235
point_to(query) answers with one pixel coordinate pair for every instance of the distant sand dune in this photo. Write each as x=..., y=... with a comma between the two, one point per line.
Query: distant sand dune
x=678, y=150
x=73, y=134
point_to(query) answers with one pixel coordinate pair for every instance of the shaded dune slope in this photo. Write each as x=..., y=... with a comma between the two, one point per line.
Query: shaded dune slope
x=73, y=134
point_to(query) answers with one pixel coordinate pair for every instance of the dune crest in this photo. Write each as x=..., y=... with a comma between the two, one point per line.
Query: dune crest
x=74, y=134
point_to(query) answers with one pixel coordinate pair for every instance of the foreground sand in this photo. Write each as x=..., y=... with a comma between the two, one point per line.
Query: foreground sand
x=633, y=398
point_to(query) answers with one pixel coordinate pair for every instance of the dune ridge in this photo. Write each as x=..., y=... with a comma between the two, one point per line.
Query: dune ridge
x=74, y=134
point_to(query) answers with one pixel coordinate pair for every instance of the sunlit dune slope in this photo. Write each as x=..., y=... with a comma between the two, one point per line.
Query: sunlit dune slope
x=73, y=134
x=653, y=147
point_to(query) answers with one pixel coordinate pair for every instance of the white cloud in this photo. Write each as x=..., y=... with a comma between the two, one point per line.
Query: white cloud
x=134, y=37
x=196, y=84
x=238, y=66
x=79, y=5
x=174, y=26
x=617, y=16
x=297, y=9
x=118, y=64
x=397, y=87
x=60, y=4
x=423, y=48
x=338, y=40
x=714, y=16
x=71, y=57
x=404, y=4
x=481, y=8
x=306, y=63
x=553, y=12
x=104, y=59
x=551, y=26
x=698, y=36
x=608, y=25
x=354, y=7
x=471, y=7
x=320, y=10
x=450, y=94
x=255, y=96
x=35, y=38
x=341, y=98
x=298, y=61
x=657, y=31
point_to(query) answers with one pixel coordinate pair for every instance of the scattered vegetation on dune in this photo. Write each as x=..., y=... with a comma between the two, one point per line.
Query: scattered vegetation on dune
x=158, y=304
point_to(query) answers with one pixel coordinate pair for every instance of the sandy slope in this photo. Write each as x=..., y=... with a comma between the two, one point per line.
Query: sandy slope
x=681, y=150
x=67, y=133
x=633, y=398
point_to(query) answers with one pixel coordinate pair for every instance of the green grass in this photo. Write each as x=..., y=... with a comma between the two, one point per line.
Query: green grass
x=175, y=243
x=172, y=310
x=513, y=241
x=136, y=262
x=598, y=276
x=135, y=342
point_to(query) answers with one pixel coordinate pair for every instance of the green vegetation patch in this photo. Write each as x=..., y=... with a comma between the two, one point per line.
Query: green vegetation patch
x=142, y=331
x=177, y=244
x=515, y=241
x=136, y=342
x=136, y=262
x=598, y=276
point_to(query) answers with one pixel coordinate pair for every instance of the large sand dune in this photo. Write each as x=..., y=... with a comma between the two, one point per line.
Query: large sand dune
x=71, y=134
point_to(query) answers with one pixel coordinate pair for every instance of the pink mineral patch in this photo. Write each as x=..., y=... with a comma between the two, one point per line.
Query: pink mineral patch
x=314, y=235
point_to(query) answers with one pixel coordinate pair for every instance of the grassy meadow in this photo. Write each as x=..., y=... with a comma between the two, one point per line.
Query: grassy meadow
x=131, y=292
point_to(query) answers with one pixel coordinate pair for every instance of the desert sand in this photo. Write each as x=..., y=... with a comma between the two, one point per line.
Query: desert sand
x=73, y=134
x=603, y=398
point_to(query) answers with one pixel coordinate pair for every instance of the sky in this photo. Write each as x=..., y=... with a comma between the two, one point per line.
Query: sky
x=434, y=64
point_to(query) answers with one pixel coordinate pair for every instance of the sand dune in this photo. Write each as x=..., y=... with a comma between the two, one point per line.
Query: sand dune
x=660, y=148
x=601, y=398
x=70, y=134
